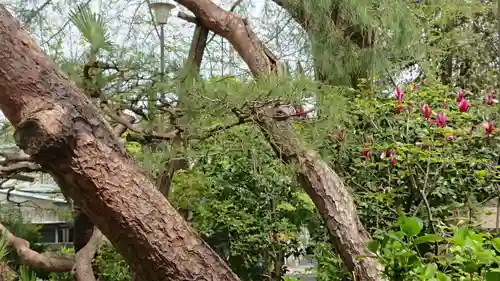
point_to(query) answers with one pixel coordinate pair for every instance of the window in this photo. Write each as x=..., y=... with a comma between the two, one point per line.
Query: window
x=57, y=233
x=48, y=234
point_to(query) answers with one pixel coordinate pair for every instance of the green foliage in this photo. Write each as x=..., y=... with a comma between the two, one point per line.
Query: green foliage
x=461, y=253
x=4, y=248
x=401, y=160
x=92, y=28
x=329, y=265
x=111, y=265
x=245, y=204
x=26, y=274
x=11, y=218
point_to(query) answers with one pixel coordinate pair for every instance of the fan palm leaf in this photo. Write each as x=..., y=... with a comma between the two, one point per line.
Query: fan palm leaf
x=92, y=27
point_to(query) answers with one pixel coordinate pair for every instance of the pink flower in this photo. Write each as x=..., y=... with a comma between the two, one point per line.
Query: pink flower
x=488, y=128
x=441, y=120
x=399, y=95
x=463, y=106
x=300, y=112
x=460, y=95
x=488, y=98
x=389, y=153
x=393, y=159
x=426, y=111
x=451, y=137
x=367, y=154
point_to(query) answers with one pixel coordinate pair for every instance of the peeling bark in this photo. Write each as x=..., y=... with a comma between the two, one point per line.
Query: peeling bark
x=34, y=259
x=63, y=132
x=332, y=199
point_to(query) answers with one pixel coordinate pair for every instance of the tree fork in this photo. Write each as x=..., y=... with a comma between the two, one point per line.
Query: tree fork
x=65, y=134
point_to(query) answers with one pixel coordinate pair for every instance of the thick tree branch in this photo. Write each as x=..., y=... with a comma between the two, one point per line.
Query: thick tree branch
x=235, y=29
x=34, y=259
x=324, y=186
x=63, y=132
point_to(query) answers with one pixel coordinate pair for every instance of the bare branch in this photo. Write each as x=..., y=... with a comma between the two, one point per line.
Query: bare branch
x=147, y=136
x=35, y=259
x=83, y=265
x=19, y=167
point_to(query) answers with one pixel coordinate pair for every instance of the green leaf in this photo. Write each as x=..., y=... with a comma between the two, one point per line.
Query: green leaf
x=410, y=226
x=492, y=276
x=430, y=270
x=373, y=246
x=496, y=244
x=92, y=28
x=428, y=238
x=442, y=277
x=398, y=236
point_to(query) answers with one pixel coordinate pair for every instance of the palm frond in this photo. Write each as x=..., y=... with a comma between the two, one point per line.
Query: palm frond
x=92, y=27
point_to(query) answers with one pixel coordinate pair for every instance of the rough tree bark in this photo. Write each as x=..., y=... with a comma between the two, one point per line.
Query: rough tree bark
x=324, y=186
x=63, y=132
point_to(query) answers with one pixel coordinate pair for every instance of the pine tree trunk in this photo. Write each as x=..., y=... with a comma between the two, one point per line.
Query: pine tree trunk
x=324, y=186
x=329, y=194
x=63, y=132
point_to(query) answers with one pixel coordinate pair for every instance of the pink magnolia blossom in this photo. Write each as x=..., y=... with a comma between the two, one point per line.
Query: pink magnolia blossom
x=426, y=111
x=399, y=95
x=393, y=159
x=488, y=128
x=389, y=153
x=367, y=154
x=464, y=105
x=441, y=120
x=460, y=95
x=488, y=98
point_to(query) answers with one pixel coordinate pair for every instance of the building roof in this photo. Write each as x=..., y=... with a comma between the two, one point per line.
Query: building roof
x=46, y=192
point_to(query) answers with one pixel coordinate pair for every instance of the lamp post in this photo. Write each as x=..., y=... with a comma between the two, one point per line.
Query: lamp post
x=161, y=14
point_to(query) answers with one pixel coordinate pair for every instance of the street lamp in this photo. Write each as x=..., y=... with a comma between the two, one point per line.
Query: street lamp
x=162, y=13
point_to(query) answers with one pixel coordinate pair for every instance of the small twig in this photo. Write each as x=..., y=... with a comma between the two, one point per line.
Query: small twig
x=217, y=129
